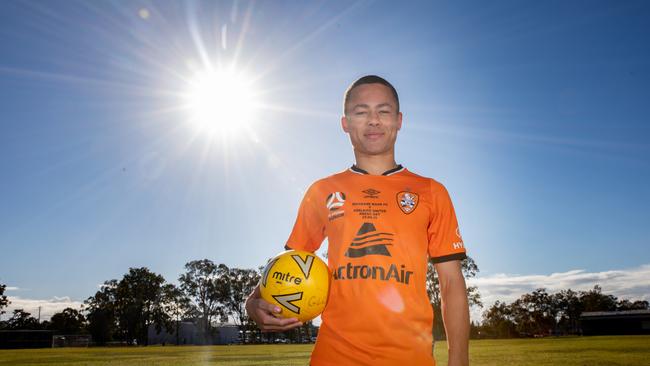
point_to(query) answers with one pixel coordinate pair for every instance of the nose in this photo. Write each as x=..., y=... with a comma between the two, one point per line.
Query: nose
x=373, y=119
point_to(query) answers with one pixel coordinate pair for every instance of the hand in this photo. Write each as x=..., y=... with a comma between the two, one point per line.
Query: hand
x=266, y=315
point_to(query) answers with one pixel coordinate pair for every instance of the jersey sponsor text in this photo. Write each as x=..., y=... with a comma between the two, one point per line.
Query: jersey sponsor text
x=366, y=272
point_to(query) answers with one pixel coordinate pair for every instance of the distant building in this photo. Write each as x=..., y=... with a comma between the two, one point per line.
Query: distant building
x=188, y=333
x=227, y=333
x=628, y=322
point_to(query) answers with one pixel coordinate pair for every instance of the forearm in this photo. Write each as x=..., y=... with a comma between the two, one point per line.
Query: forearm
x=455, y=313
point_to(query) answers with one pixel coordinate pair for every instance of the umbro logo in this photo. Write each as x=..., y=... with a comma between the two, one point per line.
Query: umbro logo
x=371, y=193
x=369, y=242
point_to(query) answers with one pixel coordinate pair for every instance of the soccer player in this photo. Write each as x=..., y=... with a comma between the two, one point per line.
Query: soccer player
x=382, y=222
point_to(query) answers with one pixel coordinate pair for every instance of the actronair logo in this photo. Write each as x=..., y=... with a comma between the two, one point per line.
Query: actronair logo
x=365, y=272
x=369, y=242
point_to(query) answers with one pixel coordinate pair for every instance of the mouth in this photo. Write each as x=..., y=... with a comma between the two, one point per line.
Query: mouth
x=373, y=135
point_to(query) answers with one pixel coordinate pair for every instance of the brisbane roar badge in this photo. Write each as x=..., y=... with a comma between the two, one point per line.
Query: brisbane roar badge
x=407, y=201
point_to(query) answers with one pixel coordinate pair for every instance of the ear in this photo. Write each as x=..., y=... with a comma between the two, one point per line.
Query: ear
x=344, y=124
x=399, y=121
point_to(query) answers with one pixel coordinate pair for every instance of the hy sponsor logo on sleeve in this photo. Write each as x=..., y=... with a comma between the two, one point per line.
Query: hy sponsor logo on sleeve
x=458, y=244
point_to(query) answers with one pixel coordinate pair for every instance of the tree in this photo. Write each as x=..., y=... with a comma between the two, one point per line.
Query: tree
x=68, y=321
x=622, y=305
x=127, y=308
x=470, y=269
x=22, y=320
x=176, y=304
x=206, y=285
x=595, y=300
x=100, y=310
x=498, y=322
x=3, y=298
x=569, y=309
x=139, y=304
x=534, y=313
x=241, y=282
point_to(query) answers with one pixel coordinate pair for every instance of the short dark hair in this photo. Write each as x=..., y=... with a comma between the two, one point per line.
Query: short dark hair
x=369, y=79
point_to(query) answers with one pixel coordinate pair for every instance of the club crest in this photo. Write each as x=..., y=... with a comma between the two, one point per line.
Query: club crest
x=407, y=201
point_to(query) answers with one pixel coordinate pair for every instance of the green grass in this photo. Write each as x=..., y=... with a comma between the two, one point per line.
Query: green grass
x=571, y=351
x=560, y=351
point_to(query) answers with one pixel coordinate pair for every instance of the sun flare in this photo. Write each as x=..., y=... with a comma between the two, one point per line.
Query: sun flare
x=220, y=102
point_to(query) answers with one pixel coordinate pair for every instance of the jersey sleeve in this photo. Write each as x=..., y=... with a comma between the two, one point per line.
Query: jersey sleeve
x=309, y=229
x=445, y=241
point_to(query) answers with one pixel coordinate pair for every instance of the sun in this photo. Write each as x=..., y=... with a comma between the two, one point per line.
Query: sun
x=220, y=102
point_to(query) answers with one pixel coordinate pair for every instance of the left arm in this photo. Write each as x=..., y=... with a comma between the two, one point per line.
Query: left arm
x=455, y=311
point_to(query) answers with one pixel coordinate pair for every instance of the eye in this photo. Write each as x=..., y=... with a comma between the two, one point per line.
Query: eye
x=384, y=112
x=360, y=113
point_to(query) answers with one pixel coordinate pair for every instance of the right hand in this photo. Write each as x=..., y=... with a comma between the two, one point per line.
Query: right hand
x=266, y=315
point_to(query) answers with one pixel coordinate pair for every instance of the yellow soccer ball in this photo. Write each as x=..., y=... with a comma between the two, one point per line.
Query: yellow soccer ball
x=298, y=282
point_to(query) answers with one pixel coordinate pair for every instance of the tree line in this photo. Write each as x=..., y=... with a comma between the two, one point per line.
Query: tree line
x=540, y=313
x=124, y=310
x=206, y=292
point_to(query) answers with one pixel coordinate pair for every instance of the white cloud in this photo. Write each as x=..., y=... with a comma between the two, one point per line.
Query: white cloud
x=48, y=307
x=631, y=284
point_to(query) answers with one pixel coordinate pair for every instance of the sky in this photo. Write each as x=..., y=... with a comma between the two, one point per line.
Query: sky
x=534, y=115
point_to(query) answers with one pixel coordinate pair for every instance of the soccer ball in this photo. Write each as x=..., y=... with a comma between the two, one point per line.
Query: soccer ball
x=298, y=282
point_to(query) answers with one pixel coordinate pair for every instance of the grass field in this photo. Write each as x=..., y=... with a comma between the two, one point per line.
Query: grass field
x=573, y=351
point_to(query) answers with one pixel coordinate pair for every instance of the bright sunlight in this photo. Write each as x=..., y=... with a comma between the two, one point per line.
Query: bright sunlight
x=220, y=102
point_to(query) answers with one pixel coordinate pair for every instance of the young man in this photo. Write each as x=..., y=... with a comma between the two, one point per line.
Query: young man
x=382, y=223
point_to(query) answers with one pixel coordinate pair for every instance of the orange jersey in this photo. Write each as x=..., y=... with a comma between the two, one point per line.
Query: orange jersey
x=381, y=229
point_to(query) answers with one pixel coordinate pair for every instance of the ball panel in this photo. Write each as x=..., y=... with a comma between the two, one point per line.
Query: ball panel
x=298, y=282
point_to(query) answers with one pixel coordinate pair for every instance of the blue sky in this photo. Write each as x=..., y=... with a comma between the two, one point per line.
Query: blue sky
x=533, y=114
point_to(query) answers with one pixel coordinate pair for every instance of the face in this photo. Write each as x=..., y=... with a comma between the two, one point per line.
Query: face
x=371, y=119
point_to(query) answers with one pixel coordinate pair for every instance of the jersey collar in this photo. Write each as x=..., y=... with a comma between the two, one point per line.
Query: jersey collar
x=397, y=169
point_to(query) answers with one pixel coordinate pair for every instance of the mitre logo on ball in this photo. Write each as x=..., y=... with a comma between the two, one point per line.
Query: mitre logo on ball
x=298, y=282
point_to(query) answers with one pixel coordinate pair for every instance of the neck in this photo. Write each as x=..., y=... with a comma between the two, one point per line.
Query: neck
x=375, y=164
